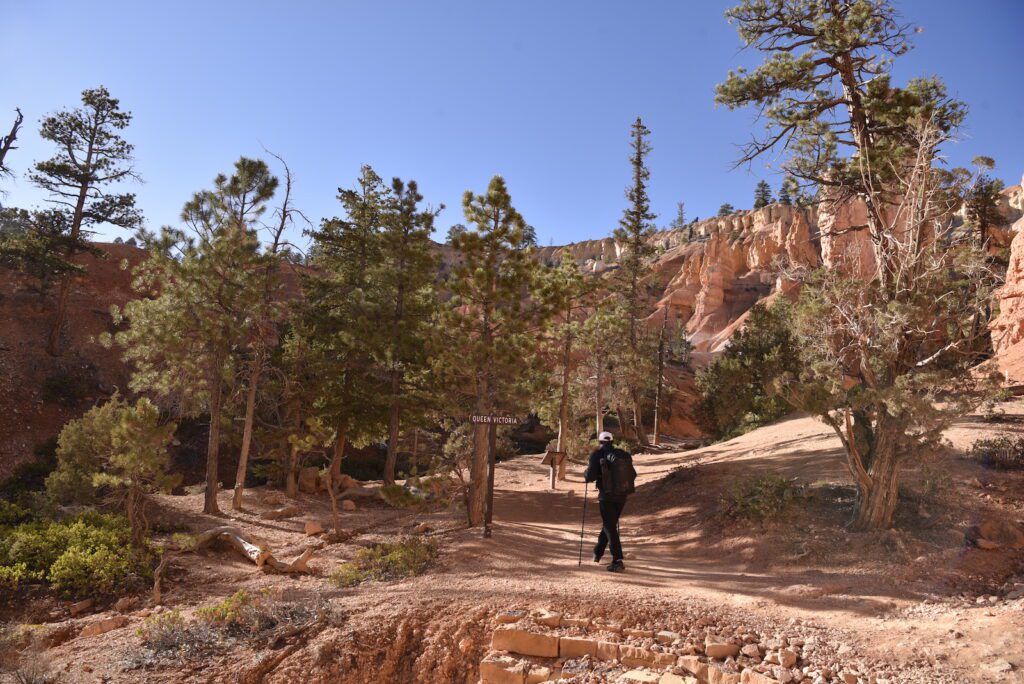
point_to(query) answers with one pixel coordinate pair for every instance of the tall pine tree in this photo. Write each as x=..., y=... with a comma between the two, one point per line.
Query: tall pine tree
x=636, y=227
x=91, y=157
x=762, y=194
x=488, y=339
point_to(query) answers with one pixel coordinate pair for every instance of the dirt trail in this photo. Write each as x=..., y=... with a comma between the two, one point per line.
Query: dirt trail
x=907, y=600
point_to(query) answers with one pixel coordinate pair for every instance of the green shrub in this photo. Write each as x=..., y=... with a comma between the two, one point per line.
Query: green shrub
x=163, y=631
x=89, y=555
x=999, y=453
x=765, y=497
x=231, y=612
x=397, y=496
x=251, y=614
x=736, y=390
x=388, y=561
x=13, y=514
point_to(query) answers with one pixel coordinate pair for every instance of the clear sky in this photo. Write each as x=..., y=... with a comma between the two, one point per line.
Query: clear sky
x=450, y=93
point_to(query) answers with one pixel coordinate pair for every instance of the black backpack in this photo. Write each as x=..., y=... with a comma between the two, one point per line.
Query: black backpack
x=618, y=477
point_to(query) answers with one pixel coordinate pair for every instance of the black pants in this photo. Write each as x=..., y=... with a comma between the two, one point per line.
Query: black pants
x=610, y=512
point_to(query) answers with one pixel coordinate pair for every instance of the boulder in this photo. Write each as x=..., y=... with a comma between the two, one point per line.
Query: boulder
x=788, y=657
x=313, y=527
x=80, y=607
x=498, y=668
x=575, y=647
x=1006, y=533
x=720, y=650
x=281, y=513
x=639, y=677
x=348, y=505
x=422, y=528
x=523, y=642
x=672, y=678
x=694, y=665
x=635, y=656
x=103, y=626
x=538, y=674
x=124, y=604
x=509, y=616
x=716, y=676
x=548, y=618
x=753, y=677
x=666, y=637
x=309, y=478
x=606, y=650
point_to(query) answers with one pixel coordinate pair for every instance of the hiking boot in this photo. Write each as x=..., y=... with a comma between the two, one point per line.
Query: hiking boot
x=616, y=566
x=597, y=557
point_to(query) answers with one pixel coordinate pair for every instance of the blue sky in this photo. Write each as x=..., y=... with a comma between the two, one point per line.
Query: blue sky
x=450, y=93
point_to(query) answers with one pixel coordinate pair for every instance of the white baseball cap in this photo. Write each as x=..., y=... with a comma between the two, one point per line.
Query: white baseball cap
x=605, y=437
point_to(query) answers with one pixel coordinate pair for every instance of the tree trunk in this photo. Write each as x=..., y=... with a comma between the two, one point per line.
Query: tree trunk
x=243, y=459
x=53, y=342
x=478, y=474
x=623, y=420
x=338, y=453
x=291, y=485
x=213, y=445
x=877, y=502
x=661, y=379
x=563, y=406
x=638, y=420
x=394, y=422
x=599, y=404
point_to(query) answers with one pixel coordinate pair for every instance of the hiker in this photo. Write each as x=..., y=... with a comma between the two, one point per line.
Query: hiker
x=612, y=470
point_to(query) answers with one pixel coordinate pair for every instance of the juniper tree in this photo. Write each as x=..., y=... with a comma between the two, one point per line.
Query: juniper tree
x=487, y=340
x=636, y=227
x=881, y=337
x=91, y=157
x=403, y=283
x=762, y=194
x=187, y=333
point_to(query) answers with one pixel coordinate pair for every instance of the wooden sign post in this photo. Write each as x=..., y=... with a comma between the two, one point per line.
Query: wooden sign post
x=492, y=421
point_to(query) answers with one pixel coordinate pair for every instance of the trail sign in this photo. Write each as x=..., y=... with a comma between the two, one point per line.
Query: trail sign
x=492, y=421
x=489, y=419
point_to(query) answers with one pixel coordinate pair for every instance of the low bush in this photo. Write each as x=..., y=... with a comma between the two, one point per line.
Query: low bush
x=999, y=453
x=765, y=497
x=397, y=496
x=65, y=387
x=88, y=555
x=252, y=614
x=389, y=561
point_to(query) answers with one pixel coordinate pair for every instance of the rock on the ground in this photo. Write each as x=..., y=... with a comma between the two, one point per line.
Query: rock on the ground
x=309, y=478
x=103, y=626
x=281, y=513
x=348, y=505
x=80, y=607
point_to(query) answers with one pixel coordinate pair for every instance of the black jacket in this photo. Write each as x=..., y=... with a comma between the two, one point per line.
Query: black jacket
x=593, y=471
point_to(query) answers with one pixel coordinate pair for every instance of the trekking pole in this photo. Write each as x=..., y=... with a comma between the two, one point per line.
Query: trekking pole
x=583, y=523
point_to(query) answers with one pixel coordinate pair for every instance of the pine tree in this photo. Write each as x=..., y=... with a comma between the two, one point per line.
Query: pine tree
x=486, y=344
x=566, y=297
x=787, y=191
x=269, y=314
x=726, y=209
x=188, y=331
x=679, y=222
x=341, y=318
x=636, y=227
x=404, y=285
x=762, y=194
x=7, y=143
x=91, y=156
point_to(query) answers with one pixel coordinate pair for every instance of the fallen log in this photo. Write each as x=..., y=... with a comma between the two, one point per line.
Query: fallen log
x=256, y=551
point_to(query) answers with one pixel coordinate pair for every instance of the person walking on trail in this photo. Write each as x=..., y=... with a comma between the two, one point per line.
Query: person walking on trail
x=612, y=469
